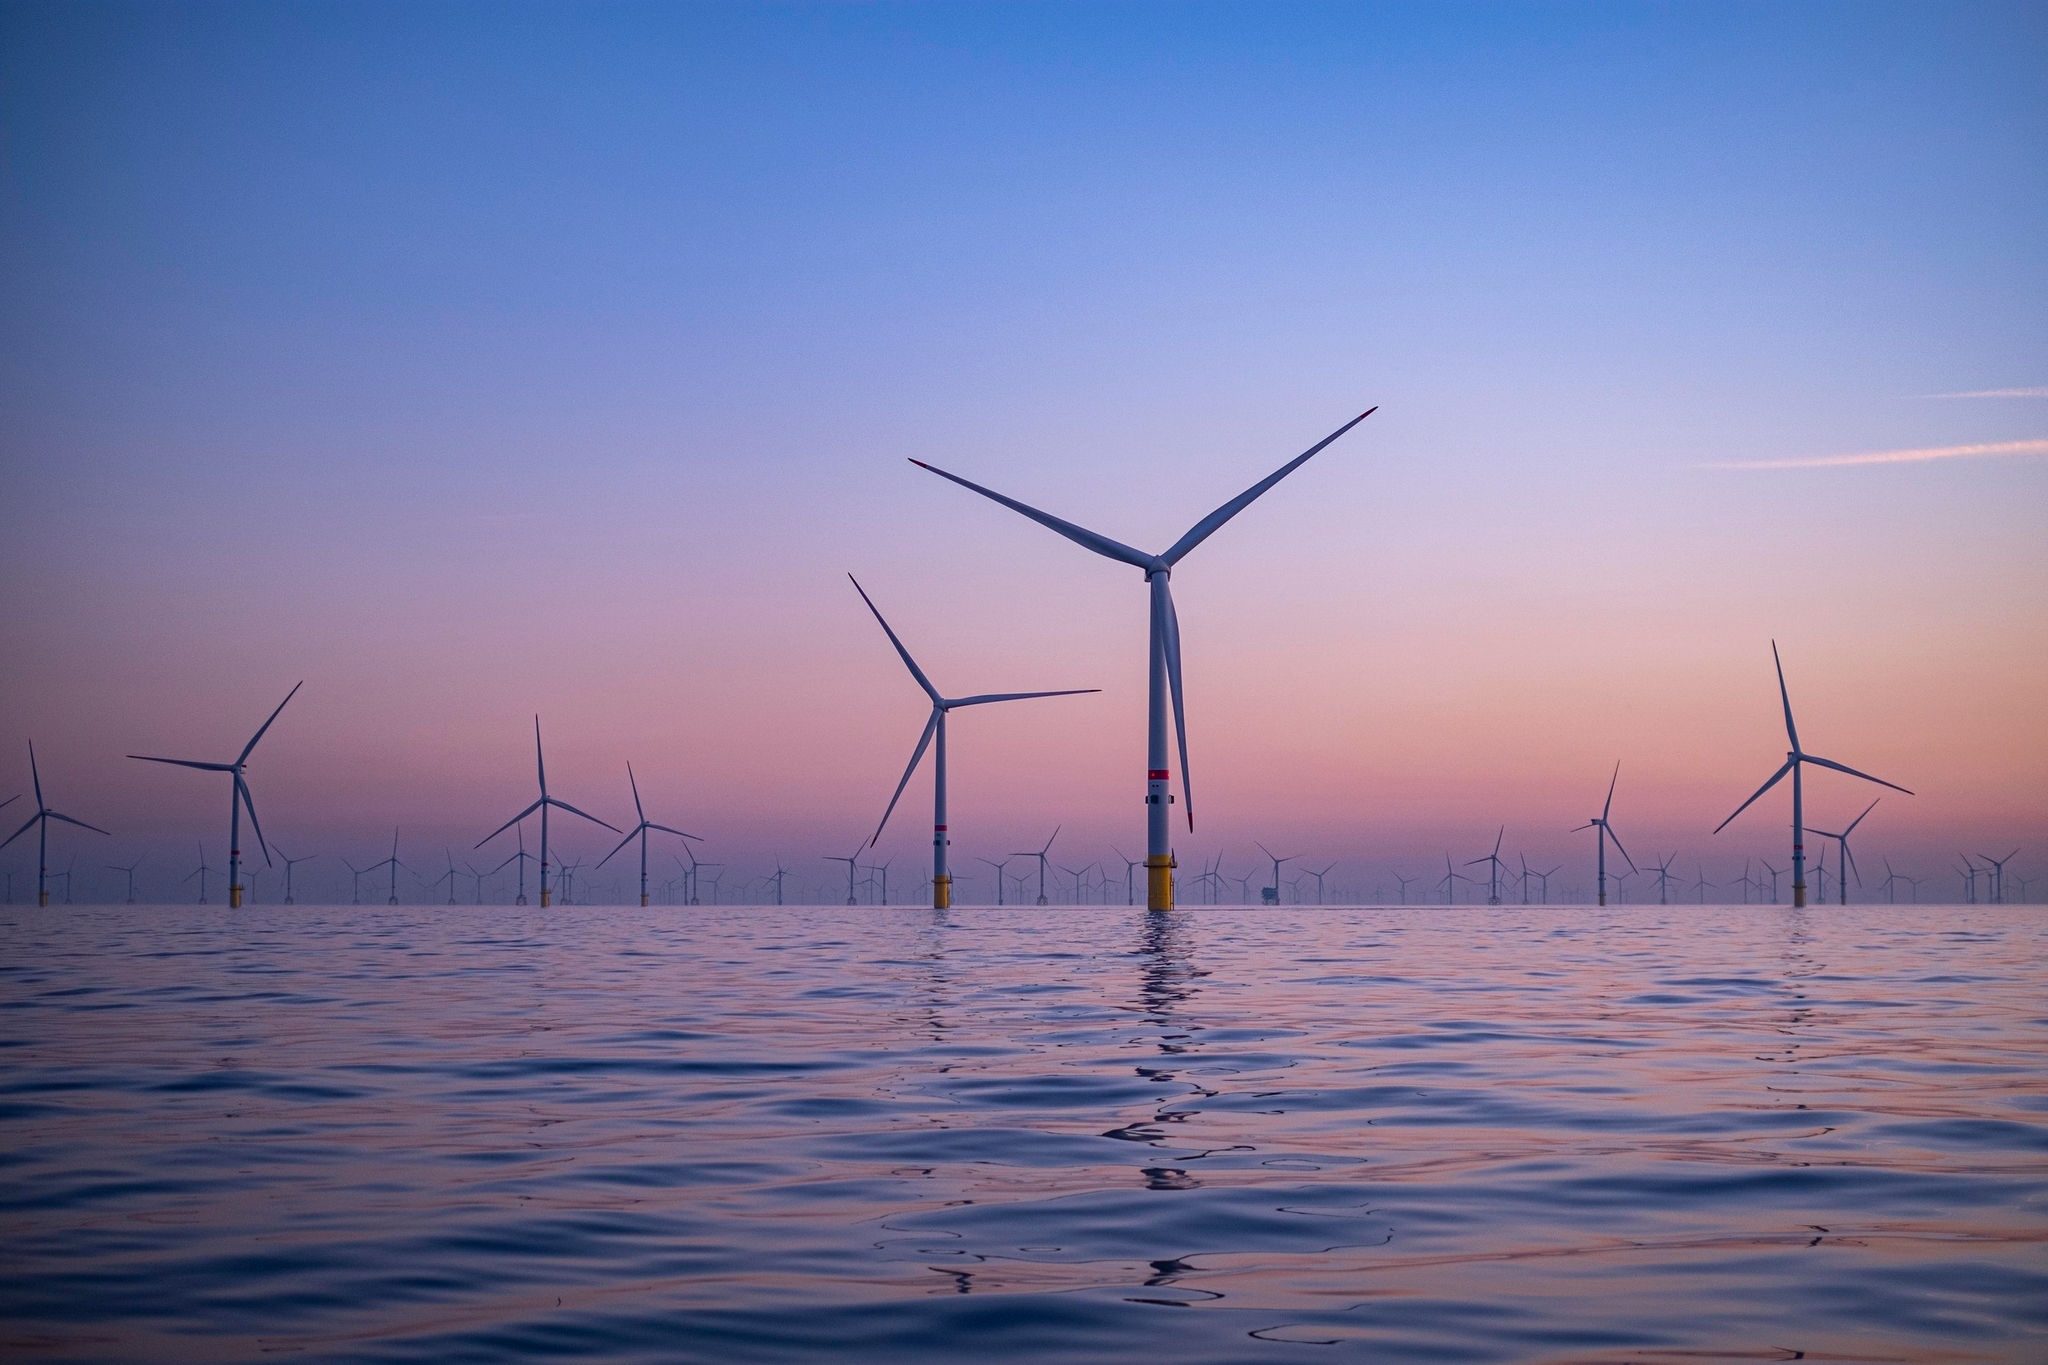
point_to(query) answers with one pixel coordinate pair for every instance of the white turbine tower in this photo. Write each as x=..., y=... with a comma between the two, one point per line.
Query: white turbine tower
x=238, y=800
x=1162, y=650
x=1795, y=763
x=942, y=880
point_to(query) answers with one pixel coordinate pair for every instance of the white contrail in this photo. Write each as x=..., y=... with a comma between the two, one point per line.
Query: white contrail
x=1921, y=456
x=2041, y=392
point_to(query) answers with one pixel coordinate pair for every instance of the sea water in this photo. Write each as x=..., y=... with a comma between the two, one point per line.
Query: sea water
x=1656, y=1134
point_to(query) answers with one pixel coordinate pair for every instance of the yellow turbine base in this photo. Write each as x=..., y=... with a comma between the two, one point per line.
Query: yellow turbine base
x=643, y=898
x=1798, y=895
x=1159, y=881
x=942, y=893
x=234, y=898
x=42, y=898
x=544, y=900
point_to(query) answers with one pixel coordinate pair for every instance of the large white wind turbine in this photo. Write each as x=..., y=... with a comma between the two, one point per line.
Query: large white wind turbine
x=1599, y=822
x=642, y=829
x=40, y=821
x=1162, y=650
x=238, y=800
x=541, y=767
x=1795, y=763
x=942, y=881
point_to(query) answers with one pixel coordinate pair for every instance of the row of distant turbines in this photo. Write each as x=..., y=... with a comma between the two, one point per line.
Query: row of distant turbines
x=1164, y=690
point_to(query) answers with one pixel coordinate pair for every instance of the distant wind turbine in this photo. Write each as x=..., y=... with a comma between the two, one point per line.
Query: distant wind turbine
x=40, y=822
x=200, y=872
x=1274, y=899
x=1795, y=763
x=1606, y=832
x=1492, y=861
x=1995, y=879
x=935, y=727
x=542, y=805
x=1845, y=863
x=641, y=829
x=290, y=863
x=239, y=799
x=392, y=863
x=1001, y=868
x=1040, y=855
x=1451, y=880
x=129, y=869
x=1162, y=650
x=852, y=866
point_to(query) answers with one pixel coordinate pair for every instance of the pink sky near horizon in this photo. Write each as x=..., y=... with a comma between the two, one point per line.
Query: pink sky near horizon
x=384, y=349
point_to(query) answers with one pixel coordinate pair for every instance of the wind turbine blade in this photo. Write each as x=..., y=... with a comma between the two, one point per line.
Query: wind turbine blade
x=1791, y=730
x=1850, y=858
x=666, y=829
x=636, y=792
x=181, y=763
x=540, y=763
x=35, y=774
x=564, y=805
x=986, y=697
x=508, y=824
x=23, y=830
x=923, y=741
x=1170, y=642
x=249, y=804
x=621, y=844
x=53, y=815
x=1776, y=778
x=1618, y=848
x=1844, y=768
x=1503, y=833
x=1859, y=819
x=901, y=652
x=248, y=748
x=1080, y=535
x=1610, y=792
x=1208, y=525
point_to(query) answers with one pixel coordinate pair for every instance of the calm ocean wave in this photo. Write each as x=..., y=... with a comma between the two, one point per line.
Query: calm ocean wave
x=1424, y=1134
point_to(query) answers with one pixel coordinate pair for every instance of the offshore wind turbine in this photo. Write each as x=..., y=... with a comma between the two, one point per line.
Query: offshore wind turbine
x=1001, y=868
x=1275, y=888
x=1663, y=871
x=130, y=871
x=239, y=799
x=1995, y=879
x=1404, y=885
x=641, y=829
x=1795, y=763
x=1162, y=650
x=1776, y=872
x=852, y=864
x=1450, y=881
x=290, y=863
x=1040, y=855
x=356, y=887
x=935, y=727
x=40, y=822
x=1606, y=832
x=1845, y=865
x=200, y=872
x=1492, y=861
x=542, y=805
x=392, y=863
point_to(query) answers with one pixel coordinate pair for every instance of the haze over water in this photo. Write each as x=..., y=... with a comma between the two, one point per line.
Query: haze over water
x=1426, y=1133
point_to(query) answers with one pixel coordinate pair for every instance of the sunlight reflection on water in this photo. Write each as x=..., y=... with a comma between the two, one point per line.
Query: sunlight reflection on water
x=1507, y=1134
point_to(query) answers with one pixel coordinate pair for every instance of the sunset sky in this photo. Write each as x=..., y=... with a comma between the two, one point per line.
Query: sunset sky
x=472, y=361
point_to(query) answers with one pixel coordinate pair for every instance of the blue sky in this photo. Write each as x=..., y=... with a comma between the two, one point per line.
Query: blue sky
x=378, y=343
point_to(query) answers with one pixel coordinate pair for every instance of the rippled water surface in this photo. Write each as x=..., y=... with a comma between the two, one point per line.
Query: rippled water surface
x=1542, y=1134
